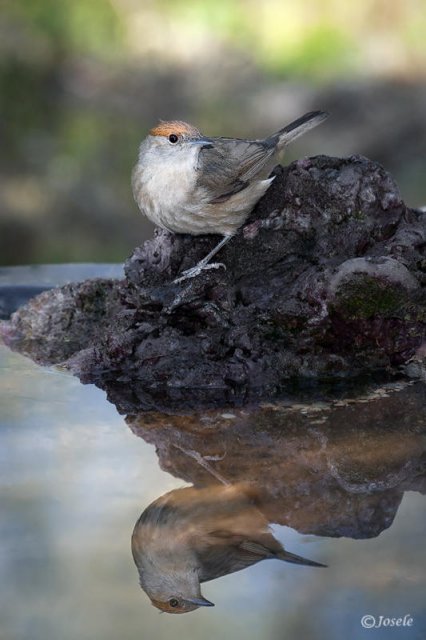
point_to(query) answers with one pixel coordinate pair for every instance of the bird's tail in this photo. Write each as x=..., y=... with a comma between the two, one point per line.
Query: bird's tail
x=298, y=128
x=292, y=557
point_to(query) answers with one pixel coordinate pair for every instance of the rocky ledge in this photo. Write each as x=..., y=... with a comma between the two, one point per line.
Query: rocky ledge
x=327, y=280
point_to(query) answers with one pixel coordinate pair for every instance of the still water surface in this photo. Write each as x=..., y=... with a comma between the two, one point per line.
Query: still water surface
x=75, y=477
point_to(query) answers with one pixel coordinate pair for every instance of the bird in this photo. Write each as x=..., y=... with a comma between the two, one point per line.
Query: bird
x=186, y=182
x=192, y=535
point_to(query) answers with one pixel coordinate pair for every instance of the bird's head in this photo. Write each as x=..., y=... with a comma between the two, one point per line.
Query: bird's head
x=171, y=583
x=174, y=138
x=179, y=604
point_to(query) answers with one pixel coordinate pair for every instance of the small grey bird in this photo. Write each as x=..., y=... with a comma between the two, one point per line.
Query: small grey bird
x=188, y=183
x=190, y=536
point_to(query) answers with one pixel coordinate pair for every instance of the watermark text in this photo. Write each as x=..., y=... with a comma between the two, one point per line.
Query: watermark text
x=376, y=622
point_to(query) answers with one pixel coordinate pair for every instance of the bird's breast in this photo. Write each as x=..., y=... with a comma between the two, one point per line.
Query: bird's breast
x=163, y=188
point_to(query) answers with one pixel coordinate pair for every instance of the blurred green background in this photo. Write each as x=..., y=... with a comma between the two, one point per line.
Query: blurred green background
x=81, y=82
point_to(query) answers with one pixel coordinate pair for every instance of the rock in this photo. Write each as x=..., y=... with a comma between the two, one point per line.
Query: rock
x=326, y=281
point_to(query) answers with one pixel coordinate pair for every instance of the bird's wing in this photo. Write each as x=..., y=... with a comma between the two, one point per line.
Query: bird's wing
x=228, y=166
x=224, y=552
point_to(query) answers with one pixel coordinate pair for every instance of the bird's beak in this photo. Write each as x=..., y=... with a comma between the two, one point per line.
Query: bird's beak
x=200, y=602
x=204, y=143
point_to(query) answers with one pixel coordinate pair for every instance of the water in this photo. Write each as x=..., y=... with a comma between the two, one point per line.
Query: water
x=18, y=284
x=341, y=482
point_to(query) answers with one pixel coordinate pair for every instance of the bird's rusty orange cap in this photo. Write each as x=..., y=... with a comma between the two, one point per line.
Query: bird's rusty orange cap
x=164, y=606
x=175, y=126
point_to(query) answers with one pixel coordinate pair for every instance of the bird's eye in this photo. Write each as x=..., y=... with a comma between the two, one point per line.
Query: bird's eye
x=173, y=138
x=174, y=602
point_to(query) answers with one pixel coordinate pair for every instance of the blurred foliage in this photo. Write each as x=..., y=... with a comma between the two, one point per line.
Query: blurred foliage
x=311, y=38
x=82, y=80
x=290, y=38
x=54, y=26
x=280, y=36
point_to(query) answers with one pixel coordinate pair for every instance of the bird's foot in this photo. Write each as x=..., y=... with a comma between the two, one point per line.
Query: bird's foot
x=195, y=271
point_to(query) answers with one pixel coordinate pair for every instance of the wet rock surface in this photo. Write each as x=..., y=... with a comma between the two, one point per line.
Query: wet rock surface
x=325, y=281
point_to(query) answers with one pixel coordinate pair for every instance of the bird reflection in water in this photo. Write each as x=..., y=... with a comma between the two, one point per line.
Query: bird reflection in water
x=193, y=535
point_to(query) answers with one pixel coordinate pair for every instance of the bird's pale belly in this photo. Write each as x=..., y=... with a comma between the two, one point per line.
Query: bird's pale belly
x=191, y=215
x=168, y=198
x=197, y=221
x=172, y=201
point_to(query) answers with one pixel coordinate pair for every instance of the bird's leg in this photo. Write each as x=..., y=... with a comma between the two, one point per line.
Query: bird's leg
x=203, y=463
x=205, y=262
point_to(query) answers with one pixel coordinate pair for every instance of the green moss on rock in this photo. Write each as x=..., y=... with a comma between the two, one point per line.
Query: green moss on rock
x=364, y=297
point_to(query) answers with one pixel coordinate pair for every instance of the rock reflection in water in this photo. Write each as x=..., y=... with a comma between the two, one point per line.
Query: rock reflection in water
x=330, y=469
x=194, y=535
x=336, y=468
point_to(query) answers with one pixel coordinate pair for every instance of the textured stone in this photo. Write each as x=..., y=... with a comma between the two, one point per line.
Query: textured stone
x=326, y=281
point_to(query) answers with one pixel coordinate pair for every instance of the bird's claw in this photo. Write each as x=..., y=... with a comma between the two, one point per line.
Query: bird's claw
x=195, y=271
